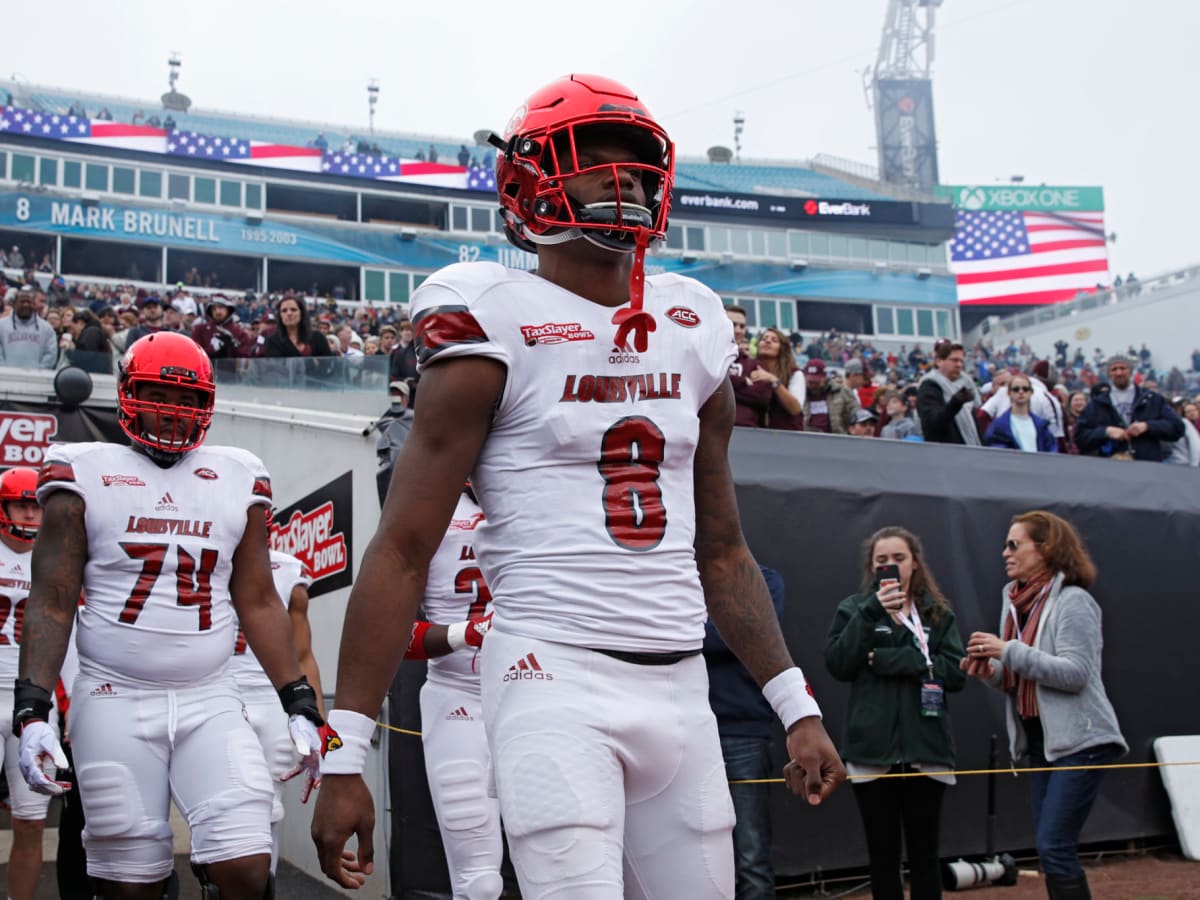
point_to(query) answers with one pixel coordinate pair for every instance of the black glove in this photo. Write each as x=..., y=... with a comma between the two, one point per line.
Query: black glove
x=964, y=396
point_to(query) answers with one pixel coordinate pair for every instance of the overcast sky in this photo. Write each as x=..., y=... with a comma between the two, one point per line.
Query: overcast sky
x=1086, y=92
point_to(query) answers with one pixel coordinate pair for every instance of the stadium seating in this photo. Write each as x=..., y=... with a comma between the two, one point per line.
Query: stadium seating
x=745, y=178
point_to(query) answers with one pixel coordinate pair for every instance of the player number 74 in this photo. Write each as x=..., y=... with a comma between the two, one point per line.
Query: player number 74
x=193, y=582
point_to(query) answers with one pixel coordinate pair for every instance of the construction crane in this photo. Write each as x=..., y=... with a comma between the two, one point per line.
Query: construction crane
x=902, y=95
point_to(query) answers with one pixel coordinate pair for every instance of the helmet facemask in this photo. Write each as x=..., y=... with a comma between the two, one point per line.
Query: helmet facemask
x=551, y=162
x=165, y=442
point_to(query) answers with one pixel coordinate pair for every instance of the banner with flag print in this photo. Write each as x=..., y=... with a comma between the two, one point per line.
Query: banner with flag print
x=243, y=151
x=239, y=150
x=77, y=129
x=1016, y=257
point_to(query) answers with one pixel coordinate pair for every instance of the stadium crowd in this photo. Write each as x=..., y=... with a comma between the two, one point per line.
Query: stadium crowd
x=834, y=382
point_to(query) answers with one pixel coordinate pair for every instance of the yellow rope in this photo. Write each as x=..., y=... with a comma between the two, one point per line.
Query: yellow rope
x=1014, y=772
x=956, y=773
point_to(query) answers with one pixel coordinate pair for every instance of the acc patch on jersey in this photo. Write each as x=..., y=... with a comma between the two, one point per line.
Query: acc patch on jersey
x=206, y=474
x=681, y=315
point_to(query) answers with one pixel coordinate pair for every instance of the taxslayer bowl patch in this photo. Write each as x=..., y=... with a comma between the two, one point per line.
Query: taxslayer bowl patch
x=555, y=333
x=681, y=315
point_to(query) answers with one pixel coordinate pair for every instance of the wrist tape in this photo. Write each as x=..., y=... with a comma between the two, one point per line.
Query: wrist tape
x=456, y=635
x=791, y=697
x=345, y=750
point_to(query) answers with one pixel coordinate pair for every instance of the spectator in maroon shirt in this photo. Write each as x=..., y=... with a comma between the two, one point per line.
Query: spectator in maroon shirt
x=752, y=398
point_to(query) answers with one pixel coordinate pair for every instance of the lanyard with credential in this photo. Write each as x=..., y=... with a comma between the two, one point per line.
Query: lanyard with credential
x=913, y=623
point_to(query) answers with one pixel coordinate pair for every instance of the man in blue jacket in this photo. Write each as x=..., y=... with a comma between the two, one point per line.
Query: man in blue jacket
x=746, y=724
x=1122, y=418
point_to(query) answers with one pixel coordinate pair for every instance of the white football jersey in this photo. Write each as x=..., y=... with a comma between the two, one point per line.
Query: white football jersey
x=586, y=475
x=14, y=591
x=247, y=671
x=455, y=591
x=160, y=555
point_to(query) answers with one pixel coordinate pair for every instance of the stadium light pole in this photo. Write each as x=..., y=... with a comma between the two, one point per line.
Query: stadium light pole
x=372, y=99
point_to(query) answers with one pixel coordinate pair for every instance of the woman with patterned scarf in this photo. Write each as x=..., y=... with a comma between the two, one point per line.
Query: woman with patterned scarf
x=1047, y=662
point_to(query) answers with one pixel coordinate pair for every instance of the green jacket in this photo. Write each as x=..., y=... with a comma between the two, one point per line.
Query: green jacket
x=884, y=725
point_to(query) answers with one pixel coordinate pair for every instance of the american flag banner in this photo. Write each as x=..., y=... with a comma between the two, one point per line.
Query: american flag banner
x=360, y=165
x=480, y=178
x=1022, y=258
x=239, y=150
x=194, y=145
x=52, y=126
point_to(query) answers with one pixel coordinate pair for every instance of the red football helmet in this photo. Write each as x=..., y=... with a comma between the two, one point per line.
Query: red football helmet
x=167, y=359
x=539, y=158
x=18, y=484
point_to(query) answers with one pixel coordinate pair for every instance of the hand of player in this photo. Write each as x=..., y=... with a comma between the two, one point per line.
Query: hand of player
x=40, y=757
x=815, y=769
x=307, y=741
x=477, y=630
x=345, y=808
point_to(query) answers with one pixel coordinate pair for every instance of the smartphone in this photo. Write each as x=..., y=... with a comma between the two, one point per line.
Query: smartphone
x=887, y=573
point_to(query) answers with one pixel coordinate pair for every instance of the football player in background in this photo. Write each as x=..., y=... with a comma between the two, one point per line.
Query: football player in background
x=20, y=517
x=168, y=540
x=292, y=581
x=592, y=409
x=457, y=762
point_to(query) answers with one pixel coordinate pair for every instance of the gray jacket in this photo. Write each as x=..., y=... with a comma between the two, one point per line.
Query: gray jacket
x=27, y=345
x=1065, y=664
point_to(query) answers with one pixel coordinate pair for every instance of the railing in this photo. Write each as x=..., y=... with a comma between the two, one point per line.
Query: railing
x=366, y=374
x=1111, y=296
x=869, y=174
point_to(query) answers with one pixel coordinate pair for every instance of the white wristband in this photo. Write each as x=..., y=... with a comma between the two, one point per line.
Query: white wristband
x=790, y=697
x=456, y=635
x=354, y=731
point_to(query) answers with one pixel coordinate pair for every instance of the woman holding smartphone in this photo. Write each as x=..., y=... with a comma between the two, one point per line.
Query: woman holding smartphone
x=1046, y=659
x=896, y=642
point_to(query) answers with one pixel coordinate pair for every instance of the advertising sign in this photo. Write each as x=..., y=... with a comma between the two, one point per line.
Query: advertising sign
x=318, y=530
x=905, y=130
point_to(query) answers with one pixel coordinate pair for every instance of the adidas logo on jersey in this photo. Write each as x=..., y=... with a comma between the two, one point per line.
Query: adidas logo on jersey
x=461, y=714
x=103, y=690
x=166, y=503
x=527, y=669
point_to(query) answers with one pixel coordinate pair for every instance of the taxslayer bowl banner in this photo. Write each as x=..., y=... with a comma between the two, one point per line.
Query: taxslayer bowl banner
x=27, y=429
x=317, y=530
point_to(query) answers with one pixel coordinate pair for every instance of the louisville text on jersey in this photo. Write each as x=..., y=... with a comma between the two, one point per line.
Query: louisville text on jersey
x=181, y=527
x=555, y=333
x=620, y=388
x=309, y=536
x=15, y=583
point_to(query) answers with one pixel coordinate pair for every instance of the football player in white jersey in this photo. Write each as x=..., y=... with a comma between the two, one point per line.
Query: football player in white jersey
x=270, y=723
x=592, y=409
x=20, y=517
x=458, y=610
x=168, y=538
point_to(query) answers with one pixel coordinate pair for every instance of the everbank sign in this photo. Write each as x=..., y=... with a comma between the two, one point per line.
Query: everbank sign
x=310, y=537
x=24, y=437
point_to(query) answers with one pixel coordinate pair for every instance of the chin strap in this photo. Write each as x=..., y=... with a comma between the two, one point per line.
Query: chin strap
x=633, y=318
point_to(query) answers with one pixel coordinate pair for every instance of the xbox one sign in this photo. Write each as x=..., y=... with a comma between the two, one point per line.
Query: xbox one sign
x=1010, y=196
